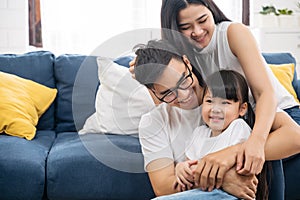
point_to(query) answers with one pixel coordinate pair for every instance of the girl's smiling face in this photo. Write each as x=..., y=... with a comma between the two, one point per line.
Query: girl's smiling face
x=196, y=22
x=218, y=112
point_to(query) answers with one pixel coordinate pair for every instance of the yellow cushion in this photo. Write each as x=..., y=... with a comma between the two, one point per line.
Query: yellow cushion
x=285, y=74
x=22, y=102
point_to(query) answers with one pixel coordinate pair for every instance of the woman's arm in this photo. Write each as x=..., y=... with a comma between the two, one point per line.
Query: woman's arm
x=284, y=141
x=243, y=45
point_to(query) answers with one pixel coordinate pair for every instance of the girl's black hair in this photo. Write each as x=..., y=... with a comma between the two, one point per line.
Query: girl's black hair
x=229, y=84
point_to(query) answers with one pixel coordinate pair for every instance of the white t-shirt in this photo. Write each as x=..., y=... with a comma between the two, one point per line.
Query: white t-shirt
x=202, y=143
x=217, y=55
x=163, y=132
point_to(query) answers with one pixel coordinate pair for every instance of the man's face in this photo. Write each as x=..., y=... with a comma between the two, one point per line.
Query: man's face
x=179, y=83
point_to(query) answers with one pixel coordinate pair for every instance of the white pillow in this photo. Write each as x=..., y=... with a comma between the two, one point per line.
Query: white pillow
x=120, y=101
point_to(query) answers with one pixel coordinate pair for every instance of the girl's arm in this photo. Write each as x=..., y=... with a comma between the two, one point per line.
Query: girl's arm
x=250, y=158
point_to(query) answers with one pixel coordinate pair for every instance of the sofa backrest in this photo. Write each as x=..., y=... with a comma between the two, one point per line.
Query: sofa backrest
x=77, y=83
x=36, y=66
x=76, y=79
x=66, y=68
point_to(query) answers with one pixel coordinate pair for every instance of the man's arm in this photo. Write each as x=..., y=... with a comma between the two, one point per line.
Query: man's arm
x=243, y=187
x=162, y=176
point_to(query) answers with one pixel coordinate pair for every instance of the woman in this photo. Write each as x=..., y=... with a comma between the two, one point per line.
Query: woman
x=213, y=43
x=165, y=129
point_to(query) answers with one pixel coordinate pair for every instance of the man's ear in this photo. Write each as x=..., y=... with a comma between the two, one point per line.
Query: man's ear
x=154, y=98
x=187, y=61
x=243, y=109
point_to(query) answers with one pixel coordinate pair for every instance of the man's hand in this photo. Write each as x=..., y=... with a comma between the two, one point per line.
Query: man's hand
x=241, y=186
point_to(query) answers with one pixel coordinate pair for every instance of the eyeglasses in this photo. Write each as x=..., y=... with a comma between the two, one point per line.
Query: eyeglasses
x=171, y=94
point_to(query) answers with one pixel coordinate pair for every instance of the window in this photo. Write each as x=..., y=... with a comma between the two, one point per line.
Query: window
x=231, y=8
x=80, y=26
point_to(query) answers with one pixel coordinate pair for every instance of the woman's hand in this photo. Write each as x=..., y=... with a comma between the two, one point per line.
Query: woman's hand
x=184, y=174
x=243, y=187
x=251, y=156
x=131, y=67
x=211, y=169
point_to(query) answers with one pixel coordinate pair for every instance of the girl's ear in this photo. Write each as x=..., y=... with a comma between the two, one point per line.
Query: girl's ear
x=243, y=109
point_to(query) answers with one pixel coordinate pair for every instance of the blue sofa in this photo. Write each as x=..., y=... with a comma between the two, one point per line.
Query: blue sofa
x=58, y=163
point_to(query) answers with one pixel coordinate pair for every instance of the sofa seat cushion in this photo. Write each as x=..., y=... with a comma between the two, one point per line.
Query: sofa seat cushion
x=89, y=167
x=23, y=165
x=38, y=67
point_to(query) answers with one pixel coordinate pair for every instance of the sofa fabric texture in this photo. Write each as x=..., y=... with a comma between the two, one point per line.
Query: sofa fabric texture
x=60, y=164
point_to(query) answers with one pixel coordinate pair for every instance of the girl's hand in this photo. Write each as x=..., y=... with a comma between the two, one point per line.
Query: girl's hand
x=184, y=174
x=131, y=67
x=211, y=169
x=251, y=156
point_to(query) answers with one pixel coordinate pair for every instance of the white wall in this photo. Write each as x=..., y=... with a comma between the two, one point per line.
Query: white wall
x=256, y=7
x=13, y=26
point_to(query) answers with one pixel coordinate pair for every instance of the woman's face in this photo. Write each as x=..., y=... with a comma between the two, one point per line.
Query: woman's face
x=196, y=22
x=174, y=76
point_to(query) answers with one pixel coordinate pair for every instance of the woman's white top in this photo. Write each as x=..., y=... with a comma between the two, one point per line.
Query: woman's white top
x=218, y=55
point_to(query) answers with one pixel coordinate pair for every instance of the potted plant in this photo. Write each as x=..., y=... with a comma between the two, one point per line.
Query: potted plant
x=273, y=17
x=286, y=18
x=268, y=16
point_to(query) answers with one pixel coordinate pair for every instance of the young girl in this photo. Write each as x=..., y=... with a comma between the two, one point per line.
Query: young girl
x=228, y=117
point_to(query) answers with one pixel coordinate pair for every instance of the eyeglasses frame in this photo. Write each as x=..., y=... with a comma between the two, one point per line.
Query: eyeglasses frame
x=175, y=89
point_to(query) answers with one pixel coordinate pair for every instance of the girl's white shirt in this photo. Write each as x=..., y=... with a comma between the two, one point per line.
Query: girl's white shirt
x=201, y=143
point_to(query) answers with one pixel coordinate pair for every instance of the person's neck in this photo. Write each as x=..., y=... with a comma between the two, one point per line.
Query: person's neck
x=215, y=133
